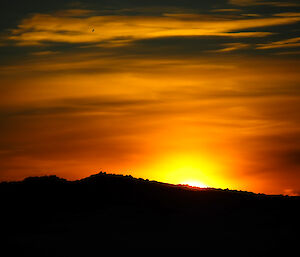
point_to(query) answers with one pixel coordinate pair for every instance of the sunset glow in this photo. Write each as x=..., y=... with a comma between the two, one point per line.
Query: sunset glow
x=194, y=183
x=194, y=93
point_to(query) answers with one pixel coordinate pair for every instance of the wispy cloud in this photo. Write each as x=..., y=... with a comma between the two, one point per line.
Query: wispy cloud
x=291, y=192
x=292, y=42
x=287, y=14
x=226, y=10
x=264, y=2
x=43, y=53
x=243, y=2
x=231, y=47
x=67, y=27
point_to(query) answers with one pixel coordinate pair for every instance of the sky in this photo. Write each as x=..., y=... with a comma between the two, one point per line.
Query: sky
x=181, y=92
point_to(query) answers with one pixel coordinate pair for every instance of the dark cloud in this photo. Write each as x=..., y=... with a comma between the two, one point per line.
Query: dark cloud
x=13, y=11
x=91, y=105
x=277, y=154
x=292, y=158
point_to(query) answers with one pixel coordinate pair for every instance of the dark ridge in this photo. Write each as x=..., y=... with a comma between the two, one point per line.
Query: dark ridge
x=51, y=216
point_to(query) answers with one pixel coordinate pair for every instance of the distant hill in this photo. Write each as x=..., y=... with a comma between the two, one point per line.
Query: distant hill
x=50, y=216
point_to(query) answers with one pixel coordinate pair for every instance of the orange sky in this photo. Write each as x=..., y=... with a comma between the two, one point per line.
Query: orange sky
x=176, y=96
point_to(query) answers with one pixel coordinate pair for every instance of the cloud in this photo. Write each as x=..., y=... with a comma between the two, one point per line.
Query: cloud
x=64, y=27
x=292, y=42
x=287, y=14
x=229, y=47
x=292, y=192
x=243, y=2
x=263, y=2
x=75, y=13
x=292, y=157
x=288, y=53
x=42, y=53
x=226, y=10
x=101, y=106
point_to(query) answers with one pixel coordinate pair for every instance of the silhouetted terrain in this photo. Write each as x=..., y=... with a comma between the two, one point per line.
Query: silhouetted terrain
x=50, y=216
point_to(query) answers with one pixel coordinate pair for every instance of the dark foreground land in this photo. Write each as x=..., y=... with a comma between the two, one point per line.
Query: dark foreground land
x=49, y=216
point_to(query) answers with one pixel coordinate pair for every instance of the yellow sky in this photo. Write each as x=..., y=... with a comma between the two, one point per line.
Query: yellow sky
x=201, y=120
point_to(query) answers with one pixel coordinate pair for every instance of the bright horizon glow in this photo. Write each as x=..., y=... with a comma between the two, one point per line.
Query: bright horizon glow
x=194, y=183
x=189, y=169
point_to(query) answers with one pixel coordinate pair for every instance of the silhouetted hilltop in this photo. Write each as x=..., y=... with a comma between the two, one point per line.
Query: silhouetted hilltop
x=47, y=216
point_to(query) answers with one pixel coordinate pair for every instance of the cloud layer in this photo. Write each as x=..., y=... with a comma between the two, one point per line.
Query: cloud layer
x=67, y=27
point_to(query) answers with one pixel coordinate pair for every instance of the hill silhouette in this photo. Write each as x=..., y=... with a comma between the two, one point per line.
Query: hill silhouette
x=51, y=216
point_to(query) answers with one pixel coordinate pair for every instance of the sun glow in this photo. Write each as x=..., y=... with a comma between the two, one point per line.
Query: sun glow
x=194, y=183
x=191, y=170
